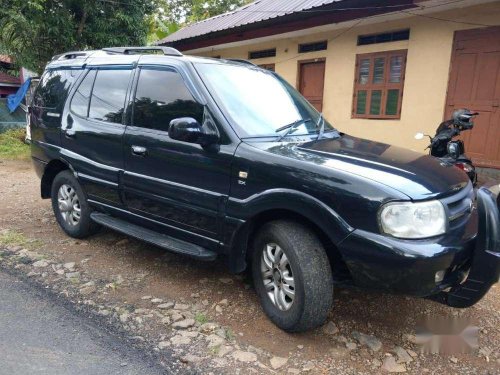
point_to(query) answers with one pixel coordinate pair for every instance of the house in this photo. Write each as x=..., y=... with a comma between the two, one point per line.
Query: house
x=10, y=78
x=382, y=70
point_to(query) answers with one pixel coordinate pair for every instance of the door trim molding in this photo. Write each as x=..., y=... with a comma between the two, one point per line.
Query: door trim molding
x=176, y=184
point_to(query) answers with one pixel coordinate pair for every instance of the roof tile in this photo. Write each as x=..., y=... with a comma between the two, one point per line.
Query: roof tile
x=257, y=11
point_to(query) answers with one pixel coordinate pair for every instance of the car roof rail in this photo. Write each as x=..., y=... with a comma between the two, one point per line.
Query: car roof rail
x=168, y=51
x=242, y=61
x=71, y=55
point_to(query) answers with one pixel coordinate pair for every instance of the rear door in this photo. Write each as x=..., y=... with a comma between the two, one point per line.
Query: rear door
x=48, y=104
x=179, y=184
x=93, y=129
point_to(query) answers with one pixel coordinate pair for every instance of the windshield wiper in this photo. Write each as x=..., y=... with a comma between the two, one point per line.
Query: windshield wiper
x=290, y=127
x=322, y=126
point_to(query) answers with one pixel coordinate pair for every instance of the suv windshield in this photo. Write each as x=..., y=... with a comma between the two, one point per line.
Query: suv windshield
x=259, y=102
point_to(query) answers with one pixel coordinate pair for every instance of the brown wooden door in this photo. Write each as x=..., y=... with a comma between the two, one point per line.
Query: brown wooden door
x=312, y=82
x=475, y=84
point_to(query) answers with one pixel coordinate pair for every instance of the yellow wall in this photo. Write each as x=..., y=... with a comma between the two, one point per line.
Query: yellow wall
x=427, y=70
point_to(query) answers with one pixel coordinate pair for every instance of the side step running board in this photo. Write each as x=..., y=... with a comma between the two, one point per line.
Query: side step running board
x=152, y=237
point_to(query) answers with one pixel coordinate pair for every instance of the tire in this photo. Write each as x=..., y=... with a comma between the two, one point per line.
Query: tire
x=310, y=270
x=75, y=224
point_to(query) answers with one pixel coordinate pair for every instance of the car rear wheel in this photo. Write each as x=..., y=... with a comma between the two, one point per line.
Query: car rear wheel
x=70, y=206
x=292, y=276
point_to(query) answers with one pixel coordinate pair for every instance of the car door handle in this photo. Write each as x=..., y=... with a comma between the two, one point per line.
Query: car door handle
x=139, y=150
x=69, y=132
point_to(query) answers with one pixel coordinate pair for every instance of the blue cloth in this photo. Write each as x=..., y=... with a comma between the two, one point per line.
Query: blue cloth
x=14, y=100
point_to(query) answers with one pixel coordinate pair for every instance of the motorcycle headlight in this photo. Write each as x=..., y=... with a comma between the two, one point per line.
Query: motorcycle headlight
x=453, y=150
x=413, y=220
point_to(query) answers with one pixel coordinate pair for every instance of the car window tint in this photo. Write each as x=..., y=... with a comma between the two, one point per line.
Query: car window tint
x=162, y=96
x=108, y=96
x=81, y=99
x=53, y=89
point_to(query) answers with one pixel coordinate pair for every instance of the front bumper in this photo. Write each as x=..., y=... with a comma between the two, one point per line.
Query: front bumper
x=485, y=265
x=409, y=266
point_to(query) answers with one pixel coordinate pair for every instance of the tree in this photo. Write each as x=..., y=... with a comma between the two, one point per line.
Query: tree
x=171, y=15
x=32, y=31
x=197, y=10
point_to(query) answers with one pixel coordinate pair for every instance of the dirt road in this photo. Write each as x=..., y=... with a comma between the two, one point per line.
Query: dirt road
x=124, y=280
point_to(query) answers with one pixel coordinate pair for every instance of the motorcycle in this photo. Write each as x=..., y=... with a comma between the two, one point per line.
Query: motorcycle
x=452, y=151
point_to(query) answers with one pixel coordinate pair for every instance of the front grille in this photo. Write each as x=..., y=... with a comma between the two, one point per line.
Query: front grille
x=459, y=206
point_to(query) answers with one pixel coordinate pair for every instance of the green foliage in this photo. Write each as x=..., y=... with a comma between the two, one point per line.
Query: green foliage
x=33, y=31
x=200, y=318
x=12, y=145
x=197, y=10
x=172, y=15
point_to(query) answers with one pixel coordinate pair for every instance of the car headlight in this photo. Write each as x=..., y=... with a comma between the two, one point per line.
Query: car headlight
x=413, y=220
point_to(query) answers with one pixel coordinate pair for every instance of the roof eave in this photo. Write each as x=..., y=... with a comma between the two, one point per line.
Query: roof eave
x=275, y=26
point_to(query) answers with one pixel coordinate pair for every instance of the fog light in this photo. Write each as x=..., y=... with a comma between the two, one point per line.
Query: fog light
x=439, y=276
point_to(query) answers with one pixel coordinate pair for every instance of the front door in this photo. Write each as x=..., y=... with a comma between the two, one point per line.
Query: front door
x=312, y=81
x=475, y=84
x=179, y=184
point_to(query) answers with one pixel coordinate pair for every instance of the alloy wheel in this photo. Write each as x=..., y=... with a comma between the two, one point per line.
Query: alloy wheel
x=277, y=276
x=69, y=204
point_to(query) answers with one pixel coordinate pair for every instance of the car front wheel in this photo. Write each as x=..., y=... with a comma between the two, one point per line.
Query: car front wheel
x=292, y=276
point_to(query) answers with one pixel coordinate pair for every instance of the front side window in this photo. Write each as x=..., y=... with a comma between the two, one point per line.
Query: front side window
x=259, y=102
x=378, y=85
x=107, y=101
x=81, y=98
x=162, y=96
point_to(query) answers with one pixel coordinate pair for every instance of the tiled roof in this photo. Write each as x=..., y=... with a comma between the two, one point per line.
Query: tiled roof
x=260, y=10
x=5, y=59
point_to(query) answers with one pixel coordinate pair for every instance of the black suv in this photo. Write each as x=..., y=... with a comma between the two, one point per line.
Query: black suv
x=217, y=158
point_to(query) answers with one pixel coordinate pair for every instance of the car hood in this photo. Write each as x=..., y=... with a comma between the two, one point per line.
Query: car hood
x=416, y=175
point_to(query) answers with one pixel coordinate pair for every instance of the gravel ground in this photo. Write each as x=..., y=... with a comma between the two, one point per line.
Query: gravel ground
x=210, y=320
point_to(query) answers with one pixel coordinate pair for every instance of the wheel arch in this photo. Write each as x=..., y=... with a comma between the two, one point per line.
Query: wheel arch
x=330, y=228
x=51, y=170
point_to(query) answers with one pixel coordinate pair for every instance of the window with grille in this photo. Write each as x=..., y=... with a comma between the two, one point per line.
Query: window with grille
x=263, y=53
x=392, y=36
x=311, y=47
x=378, y=85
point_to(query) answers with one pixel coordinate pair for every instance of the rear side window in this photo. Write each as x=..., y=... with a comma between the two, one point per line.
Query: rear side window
x=53, y=89
x=81, y=99
x=108, y=96
x=162, y=96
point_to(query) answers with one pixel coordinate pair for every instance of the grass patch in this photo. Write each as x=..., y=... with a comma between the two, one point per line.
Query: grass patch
x=200, y=318
x=13, y=238
x=215, y=350
x=12, y=146
x=229, y=334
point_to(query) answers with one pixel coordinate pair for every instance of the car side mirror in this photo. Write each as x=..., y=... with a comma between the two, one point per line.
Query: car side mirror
x=187, y=129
